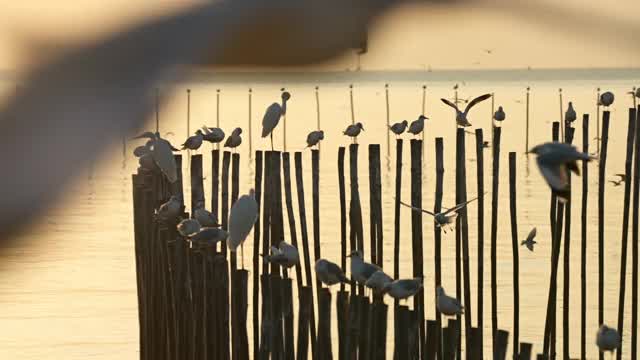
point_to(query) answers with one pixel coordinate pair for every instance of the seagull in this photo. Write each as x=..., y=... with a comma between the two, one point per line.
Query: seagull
x=461, y=117
x=446, y=304
x=499, y=114
x=163, y=156
x=378, y=281
x=234, y=140
x=417, y=126
x=205, y=217
x=607, y=338
x=242, y=217
x=285, y=255
x=314, y=138
x=404, y=288
x=272, y=116
x=213, y=135
x=399, y=128
x=194, y=142
x=529, y=242
x=606, y=99
x=442, y=219
x=208, y=236
x=555, y=160
x=170, y=210
x=329, y=273
x=361, y=270
x=570, y=115
x=188, y=227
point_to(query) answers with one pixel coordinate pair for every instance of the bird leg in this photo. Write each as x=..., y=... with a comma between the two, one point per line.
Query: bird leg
x=271, y=136
x=242, y=256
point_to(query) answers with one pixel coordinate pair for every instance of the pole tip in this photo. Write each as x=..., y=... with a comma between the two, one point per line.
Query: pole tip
x=188, y=90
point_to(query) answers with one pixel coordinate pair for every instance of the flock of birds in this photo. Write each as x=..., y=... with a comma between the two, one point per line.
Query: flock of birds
x=554, y=159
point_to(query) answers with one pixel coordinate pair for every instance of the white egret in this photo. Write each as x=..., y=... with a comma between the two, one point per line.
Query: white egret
x=272, y=116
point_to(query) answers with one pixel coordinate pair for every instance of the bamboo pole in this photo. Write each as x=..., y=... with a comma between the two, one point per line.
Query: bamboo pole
x=437, y=240
x=480, y=186
x=318, y=113
x=569, y=131
x=386, y=95
x=416, y=230
x=256, y=259
x=526, y=146
x=634, y=241
x=583, y=233
x=494, y=233
x=514, y=247
x=601, y=187
x=353, y=113
x=249, y=123
x=424, y=110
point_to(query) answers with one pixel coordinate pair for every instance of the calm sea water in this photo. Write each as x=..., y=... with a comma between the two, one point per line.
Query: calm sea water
x=69, y=292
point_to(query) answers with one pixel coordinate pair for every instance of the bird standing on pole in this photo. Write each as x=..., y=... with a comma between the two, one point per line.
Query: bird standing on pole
x=272, y=116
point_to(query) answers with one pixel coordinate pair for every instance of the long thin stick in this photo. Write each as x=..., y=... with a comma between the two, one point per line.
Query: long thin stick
x=353, y=113
x=526, y=146
x=157, y=110
x=480, y=185
x=569, y=131
x=562, y=125
x=318, y=113
x=437, y=238
x=284, y=128
x=494, y=235
x=634, y=242
x=424, y=110
x=514, y=246
x=188, y=112
x=601, y=184
x=583, y=223
x=218, y=114
x=386, y=92
x=598, y=121
x=249, y=124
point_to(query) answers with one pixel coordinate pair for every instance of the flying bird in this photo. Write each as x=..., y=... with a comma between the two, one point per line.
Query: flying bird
x=446, y=304
x=329, y=273
x=442, y=219
x=399, y=128
x=461, y=116
x=417, y=126
x=529, y=242
x=314, y=138
x=272, y=116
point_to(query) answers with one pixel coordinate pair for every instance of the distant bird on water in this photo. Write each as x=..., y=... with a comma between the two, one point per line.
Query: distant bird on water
x=570, y=115
x=378, y=281
x=360, y=269
x=404, y=288
x=234, y=140
x=529, y=242
x=285, y=255
x=442, y=219
x=399, y=128
x=272, y=116
x=194, y=142
x=329, y=273
x=353, y=130
x=555, y=160
x=417, y=126
x=188, y=227
x=446, y=304
x=213, y=135
x=461, y=116
x=606, y=99
x=499, y=115
x=607, y=338
x=242, y=217
x=314, y=138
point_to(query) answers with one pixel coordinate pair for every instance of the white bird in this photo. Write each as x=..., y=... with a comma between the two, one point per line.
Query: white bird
x=194, y=142
x=272, y=116
x=499, y=115
x=329, y=273
x=399, y=128
x=242, y=217
x=205, y=217
x=213, y=135
x=607, y=338
x=461, y=117
x=208, y=236
x=188, y=227
x=353, y=130
x=606, y=99
x=529, y=242
x=378, y=281
x=285, y=255
x=361, y=270
x=446, y=304
x=570, y=114
x=170, y=210
x=404, y=288
x=234, y=140
x=555, y=160
x=442, y=219
x=417, y=126
x=163, y=157
x=314, y=138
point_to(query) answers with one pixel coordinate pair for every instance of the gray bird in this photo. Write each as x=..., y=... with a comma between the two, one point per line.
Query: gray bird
x=446, y=304
x=555, y=160
x=170, y=210
x=461, y=116
x=314, y=138
x=403, y=288
x=285, y=255
x=442, y=219
x=361, y=270
x=606, y=99
x=213, y=135
x=378, y=281
x=208, y=236
x=234, y=140
x=499, y=115
x=329, y=273
x=529, y=242
x=399, y=128
x=163, y=156
x=417, y=126
x=616, y=183
x=194, y=142
x=205, y=217
x=570, y=115
x=607, y=338
x=146, y=162
x=242, y=216
x=272, y=116
x=141, y=151
x=188, y=227
x=353, y=130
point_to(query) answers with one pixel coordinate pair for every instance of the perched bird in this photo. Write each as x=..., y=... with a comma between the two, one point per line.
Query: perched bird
x=499, y=115
x=170, y=210
x=141, y=151
x=314, y=138
x=213, y=135
x=234, y=140
x=607, y=338
x=403, y=289
x=446, y=304
x=555, y=160
x=353, y=130
x=194, y=142
x=205, y=217
x=442, y=219
x=635, y=93
x=208, y=236
x=285, y=255
x=188, y=227
x=606, y=99
x=570, y=115
x=361, y=270
x=329, y=273
x=399, y=128
x=417, y=126
x=163, y=156
x=242, y=217
x=146, y=161
x=272, y=116
x=461, y=117
x=529, y=242
x=378, y=281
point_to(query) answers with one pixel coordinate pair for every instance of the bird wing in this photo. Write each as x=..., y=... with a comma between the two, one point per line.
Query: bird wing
x=450, y=104
x=271, y=119
x=418, y=209
x=459, y=206
x=242, y=217
x=532, y=234
x=475, y=101
x=555, y=175
x=530, y=246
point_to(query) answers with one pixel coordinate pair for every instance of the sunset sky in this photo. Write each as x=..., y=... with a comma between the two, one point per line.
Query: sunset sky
x=413, y=37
